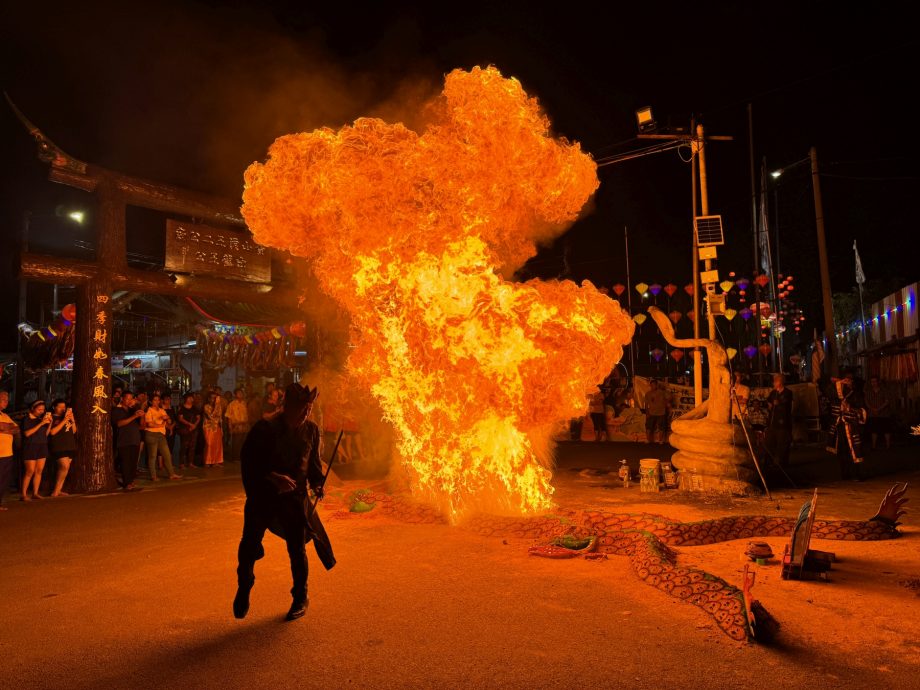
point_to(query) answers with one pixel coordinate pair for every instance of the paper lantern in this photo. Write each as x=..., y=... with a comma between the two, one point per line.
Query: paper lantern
x=731, y=352
x=657, y=354
x=677, y=354
x=762, y=280
x=765, y=349
x=766, y=311
x=688, y=288
x=691, y=316
x=750, y=351
x=742, y=284
x=641, y=288
x=670, y=289
x=655, y=288
x=745, y=313
x=639, y=318
x=726, y=285
x=675, y=316
x=619, y=289
x=298, y=329
x=730, y=314
x=69, y=312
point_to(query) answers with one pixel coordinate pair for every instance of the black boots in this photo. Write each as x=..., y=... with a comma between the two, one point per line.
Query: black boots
x=241, y=600
x=297, y=610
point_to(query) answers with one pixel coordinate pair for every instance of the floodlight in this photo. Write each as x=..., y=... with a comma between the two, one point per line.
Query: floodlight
x=645, y=120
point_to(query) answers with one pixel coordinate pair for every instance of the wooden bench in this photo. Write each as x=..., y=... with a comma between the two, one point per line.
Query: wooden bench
x=799, y=561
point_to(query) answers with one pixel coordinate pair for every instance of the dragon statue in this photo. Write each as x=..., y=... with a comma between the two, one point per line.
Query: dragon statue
x=649, y=541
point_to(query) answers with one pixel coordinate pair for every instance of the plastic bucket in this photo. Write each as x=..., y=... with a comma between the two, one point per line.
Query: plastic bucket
x=652, y=465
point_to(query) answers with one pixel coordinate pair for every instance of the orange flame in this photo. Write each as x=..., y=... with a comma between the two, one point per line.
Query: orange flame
x=411, y=233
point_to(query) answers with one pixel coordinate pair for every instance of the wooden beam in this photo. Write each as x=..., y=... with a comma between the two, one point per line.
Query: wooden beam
x=54, y=269
x=153, y=195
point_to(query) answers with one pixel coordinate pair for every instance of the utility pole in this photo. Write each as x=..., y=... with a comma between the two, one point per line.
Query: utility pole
x=704, y=210
x=825, y=271
x=696, y=139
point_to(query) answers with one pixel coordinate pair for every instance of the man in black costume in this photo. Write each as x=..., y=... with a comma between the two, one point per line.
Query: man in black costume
x=848, y=412
x=280, y=459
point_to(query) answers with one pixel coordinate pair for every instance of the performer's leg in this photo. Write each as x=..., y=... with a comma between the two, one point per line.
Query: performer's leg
x=256, y=517
x=292, y=520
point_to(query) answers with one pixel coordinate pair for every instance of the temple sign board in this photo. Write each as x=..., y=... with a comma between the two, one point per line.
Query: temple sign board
x=204, y=250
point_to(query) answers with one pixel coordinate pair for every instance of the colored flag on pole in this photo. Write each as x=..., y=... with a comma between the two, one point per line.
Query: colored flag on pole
x=860, y=276
x=817, y=358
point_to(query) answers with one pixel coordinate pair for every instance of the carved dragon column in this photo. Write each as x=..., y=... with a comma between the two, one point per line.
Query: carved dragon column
x=708, y=443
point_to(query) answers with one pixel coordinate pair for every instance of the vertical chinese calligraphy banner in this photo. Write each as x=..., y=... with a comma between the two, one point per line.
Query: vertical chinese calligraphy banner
x=204, y=250
x=93, y=469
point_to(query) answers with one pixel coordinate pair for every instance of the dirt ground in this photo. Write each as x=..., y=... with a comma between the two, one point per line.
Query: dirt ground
x=134, y=591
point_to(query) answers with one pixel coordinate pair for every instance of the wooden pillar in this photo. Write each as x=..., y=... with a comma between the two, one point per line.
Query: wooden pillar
x=93, y=468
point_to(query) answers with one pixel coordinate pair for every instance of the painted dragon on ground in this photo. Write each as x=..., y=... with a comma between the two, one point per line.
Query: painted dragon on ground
x=647, y=540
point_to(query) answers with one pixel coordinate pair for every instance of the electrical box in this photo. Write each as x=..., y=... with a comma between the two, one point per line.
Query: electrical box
x=708, y=253
x=709, y=277
x=716, y=304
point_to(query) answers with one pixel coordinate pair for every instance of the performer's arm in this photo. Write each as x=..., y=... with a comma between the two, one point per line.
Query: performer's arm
x=314, y=466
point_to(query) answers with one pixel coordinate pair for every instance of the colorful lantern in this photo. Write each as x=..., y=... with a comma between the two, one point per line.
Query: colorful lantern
x=691, y=316
x=745, y=313
x=69, y=312
x=742, y=284
x=726, y=285
x=675, y=316
x=750, y=351
x=298, y=329
x=655, y=288
x=657, y=354
x=670, y=289
x=762, y=280
x=765, y=349
x=731, y=352
x=639, y=318
x=688, y=288
x=730, y=314
x=619, y=289
x=641, y=288
x=677, y=354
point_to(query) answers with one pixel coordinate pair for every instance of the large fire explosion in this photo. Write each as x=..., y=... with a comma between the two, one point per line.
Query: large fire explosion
x=412, y=234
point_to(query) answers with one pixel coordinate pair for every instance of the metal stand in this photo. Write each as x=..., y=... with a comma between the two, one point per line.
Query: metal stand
x=747, y=437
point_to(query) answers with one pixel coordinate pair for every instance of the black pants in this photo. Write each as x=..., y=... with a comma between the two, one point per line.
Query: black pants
x=779, y=443
x=187, y=443
x=258, y=514
x=128, y=456
x=6, y=475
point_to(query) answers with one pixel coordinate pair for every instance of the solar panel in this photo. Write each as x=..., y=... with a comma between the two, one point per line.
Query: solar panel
x=708, y=230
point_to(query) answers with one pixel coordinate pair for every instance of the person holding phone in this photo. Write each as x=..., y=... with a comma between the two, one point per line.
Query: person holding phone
x=9, y=433
x=62, y=442
x=127, y=419
x=34, y=448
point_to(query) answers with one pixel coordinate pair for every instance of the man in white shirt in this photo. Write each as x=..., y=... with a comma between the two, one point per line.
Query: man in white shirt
x=156, y=420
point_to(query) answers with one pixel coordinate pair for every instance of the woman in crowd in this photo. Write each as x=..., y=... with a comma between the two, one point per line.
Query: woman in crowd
x=62, y=442
x=34, y=447
x=156, y=423
x=213, y=434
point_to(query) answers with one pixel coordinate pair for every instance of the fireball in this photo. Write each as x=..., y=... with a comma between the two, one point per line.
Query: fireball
x=415, y=235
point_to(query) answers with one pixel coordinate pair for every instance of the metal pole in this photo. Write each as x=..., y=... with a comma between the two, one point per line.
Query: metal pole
x=697, y=353
x=704, y=210
x=755, y=221
x=19, y=381
x=829, y=329
x=632, y=345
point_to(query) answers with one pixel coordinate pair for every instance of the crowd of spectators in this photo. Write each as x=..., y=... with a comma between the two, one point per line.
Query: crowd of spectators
x=155, y=434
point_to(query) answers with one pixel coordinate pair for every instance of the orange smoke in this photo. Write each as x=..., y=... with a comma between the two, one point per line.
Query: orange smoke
x=411, y=233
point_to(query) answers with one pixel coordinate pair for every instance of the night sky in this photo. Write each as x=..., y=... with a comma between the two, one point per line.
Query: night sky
x=191, y=93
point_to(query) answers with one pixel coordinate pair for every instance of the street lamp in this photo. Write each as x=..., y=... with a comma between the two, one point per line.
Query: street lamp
x=77, y=216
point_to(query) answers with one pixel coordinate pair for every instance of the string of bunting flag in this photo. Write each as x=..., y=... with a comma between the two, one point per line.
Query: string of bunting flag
x=256, y=350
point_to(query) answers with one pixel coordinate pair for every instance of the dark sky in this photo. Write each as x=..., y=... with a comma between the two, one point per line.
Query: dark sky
x=190, y=93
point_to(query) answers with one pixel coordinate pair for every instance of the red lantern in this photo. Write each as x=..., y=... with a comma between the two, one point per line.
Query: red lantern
x=619, y=289
x=688, y=288
x=69, y=312
x=762, y=280
x=675, y=316
x=298, y=329
x=690, y=316
x=670, y=289
x=677, y=354
x=765, y=349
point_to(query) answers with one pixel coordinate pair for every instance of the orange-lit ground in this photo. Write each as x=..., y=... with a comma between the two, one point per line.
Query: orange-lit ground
x=134, y=591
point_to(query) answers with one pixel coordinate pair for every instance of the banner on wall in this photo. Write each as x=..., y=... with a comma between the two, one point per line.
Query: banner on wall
x=682, y=400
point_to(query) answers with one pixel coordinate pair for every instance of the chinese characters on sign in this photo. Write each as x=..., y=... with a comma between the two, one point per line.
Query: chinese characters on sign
x=101, y=361
x=204, y=250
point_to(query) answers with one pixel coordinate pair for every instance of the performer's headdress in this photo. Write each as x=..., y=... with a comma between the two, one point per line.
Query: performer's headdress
x=296, y=395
